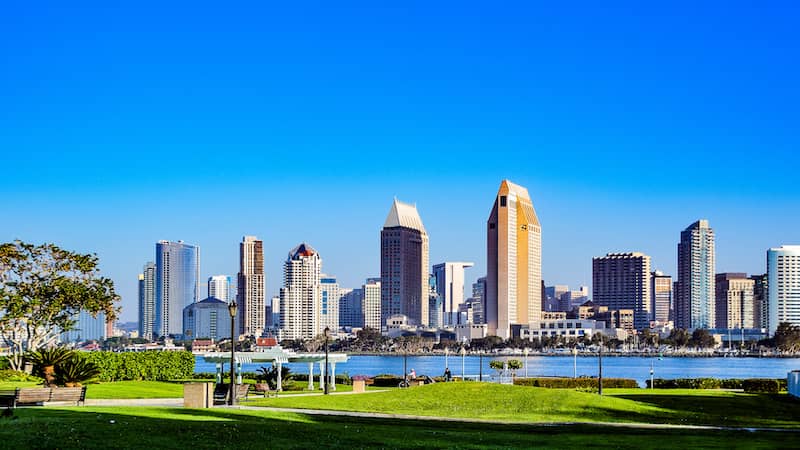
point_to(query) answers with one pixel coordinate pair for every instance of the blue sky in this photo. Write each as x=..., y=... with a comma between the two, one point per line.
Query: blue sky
x=124, y=124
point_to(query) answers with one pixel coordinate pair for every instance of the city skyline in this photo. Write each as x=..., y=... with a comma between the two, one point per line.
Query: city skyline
x=624, y=124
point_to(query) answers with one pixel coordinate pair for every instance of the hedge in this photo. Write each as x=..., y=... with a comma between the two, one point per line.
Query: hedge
x=142, y=366
x=576, y=383
x=767, y=385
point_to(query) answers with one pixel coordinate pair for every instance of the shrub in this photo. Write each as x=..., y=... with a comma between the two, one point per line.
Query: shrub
x=45, y=361
x=142, y=366
x=763, y=385
x=386, y=380
x=582, y=383
x=13, y=375
x=75, y=371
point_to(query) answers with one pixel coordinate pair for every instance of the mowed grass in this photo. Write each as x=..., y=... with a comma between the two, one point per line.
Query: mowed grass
x=119, y=389
x=178, y=428
x=528, y=404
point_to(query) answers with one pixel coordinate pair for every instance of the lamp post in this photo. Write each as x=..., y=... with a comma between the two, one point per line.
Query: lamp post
x=574, y=362
x=463, y=354
x=232, y=311
x=446, y=353
x=480, y=365
x=526, y=361
x=600, y=369
x=327, y=333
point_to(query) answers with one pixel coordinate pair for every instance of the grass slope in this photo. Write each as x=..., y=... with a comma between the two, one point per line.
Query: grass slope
x=528, y=404
x=177, y=428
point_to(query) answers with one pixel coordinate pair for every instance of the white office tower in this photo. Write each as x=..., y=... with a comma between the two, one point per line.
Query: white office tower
x=330, y=294
x=783, y=272
x=449, y=278
x=300, y=294
x=371, y=303
x=218, y=286
x=251, y=286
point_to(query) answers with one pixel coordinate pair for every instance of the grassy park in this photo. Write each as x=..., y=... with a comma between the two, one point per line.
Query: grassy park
x=528, y=410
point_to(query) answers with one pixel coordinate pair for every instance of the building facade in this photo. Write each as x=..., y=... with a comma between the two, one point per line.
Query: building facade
x=734, y=301
x=479, y=294
x=449, y=283
x=207, y=319
x=695, y=293
x=783, y=298
x=219, y=287
x=350, y=304
x=177, y=277
x=87, y=328
x=514, y=261
x=330, y=295
x=301, y=293
x=251, y=287
x=622, y=281
x=661, y=292
x=147, y=300
x=435, y=305
x=404, y=265
x=371, y=303
x=760, y=300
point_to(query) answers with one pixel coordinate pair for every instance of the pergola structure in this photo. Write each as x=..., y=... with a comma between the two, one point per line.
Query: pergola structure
x=279, y=356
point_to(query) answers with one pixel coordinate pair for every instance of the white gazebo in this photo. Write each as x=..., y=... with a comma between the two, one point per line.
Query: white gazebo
x=279, y=356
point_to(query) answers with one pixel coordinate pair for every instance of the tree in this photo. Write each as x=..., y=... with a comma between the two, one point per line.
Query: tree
x=678, y=337
x=787, y=337
x=42, y=289
x=702, y=338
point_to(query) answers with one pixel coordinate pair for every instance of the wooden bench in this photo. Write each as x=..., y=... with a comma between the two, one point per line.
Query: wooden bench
x=39, y=395
x=263, y=388
x=222, y=393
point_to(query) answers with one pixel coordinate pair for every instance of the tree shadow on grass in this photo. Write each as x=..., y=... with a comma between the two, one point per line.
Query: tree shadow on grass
x=741, y=410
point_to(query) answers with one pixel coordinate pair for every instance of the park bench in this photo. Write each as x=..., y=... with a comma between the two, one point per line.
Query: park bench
x=263, y=388
x=41, y=395
x=222, y=392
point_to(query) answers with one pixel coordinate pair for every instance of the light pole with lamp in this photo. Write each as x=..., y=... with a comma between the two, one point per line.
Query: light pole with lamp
x=446, y=353
x=463, y=354
x=526, y=361
x=327, y=333
x=480, y=365
x=574, y=362
x=232, y=311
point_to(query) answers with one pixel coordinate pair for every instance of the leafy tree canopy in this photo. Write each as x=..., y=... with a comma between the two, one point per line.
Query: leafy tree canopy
x=42, y=289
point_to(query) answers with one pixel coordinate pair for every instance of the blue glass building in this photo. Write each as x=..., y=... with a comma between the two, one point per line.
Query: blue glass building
x=177, y=275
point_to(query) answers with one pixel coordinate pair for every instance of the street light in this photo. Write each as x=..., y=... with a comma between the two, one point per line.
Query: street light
x=574, y=362
x=463, y=354
x=526, y=361
x=327, y=333
x=600, y=369
x=232, y=311
x=480, y=365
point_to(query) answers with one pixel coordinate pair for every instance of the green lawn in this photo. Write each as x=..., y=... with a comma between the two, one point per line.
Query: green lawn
x=178, y=428
x=528, y=404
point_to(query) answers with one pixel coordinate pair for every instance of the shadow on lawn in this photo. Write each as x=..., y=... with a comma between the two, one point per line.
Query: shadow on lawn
x=743, y=410
x=166, y=428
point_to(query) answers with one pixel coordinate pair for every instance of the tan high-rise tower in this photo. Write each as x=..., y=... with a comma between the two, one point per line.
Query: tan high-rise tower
x=514, y=261
x=252, y=310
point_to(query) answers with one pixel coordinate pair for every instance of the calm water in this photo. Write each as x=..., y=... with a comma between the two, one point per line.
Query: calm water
x=622, y=367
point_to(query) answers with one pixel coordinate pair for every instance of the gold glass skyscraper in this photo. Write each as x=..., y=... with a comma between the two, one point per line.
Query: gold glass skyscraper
x=514, y=261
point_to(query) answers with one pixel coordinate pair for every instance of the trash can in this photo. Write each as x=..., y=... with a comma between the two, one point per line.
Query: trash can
x=198, y=395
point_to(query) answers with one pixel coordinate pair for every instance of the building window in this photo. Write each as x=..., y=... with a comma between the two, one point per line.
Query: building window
x=503, y=200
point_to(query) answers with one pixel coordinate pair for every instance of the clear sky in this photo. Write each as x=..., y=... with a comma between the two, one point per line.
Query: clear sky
x=300, y=121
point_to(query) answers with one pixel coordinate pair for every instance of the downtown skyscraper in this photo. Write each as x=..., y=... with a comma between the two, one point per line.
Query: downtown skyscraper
x=514, y=261
x=147, y=300
x=622, y=281
x=783, y=298
x=177, y=275
x=219, y=287
x=695, y=293
x=449, y=279
x=301, y=293
x=250, y=296
x=404, y=265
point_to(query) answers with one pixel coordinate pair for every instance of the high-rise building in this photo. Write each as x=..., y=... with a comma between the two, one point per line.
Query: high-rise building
x=514, y=261
x=661, y=294
x=479, y=294
x=404, y=265
x=274, y=313
x=330, y=295
x=218, y=287
x=177, y=276
x=300, y=294
x=694, y=293
x=147, y=300
x=783, y=272
x=572, y=299
x=371, y=303
x=350, y=304
x=87, y=328
x=552, y=298
x=449, y=284
x=251, y=297
x=734, y=301
x=622, y=281
x=760, y=301
x=435, y=306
